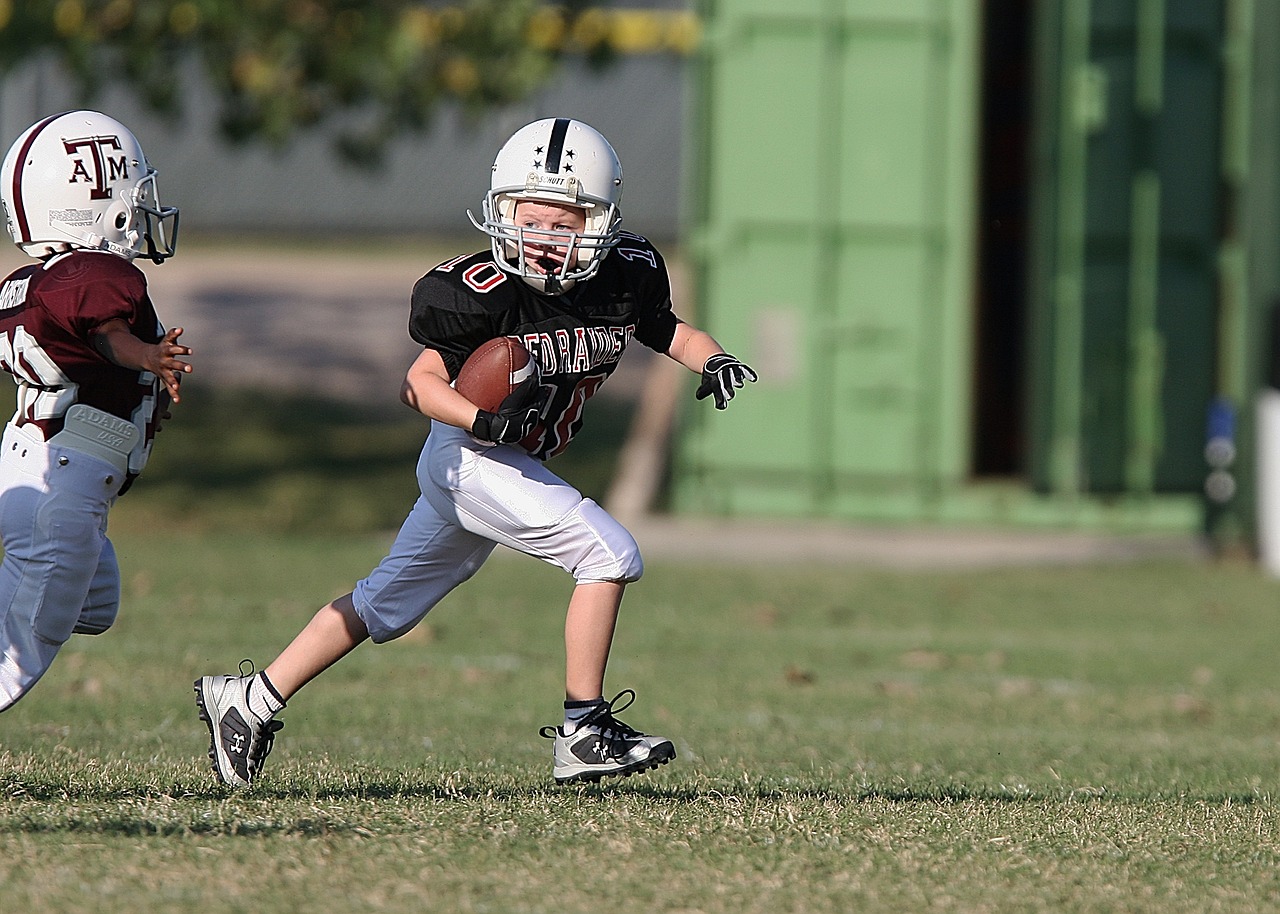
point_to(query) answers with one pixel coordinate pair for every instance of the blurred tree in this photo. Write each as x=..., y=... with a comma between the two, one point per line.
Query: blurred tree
x=369, y=69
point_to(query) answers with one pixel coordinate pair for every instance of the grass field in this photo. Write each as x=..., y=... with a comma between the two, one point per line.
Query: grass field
x=1060, y=740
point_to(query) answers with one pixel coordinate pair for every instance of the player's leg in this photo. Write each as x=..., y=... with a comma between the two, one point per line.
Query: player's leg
x=427, y=560
x=103, y=602
x=240, y=710
x=52, y=524
x=507, y=496
x=333, y=632
x=24, y=658
x=588, y=637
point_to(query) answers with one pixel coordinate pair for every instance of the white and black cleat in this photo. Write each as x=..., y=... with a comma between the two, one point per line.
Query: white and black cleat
x=239, y=740
x=602, y=746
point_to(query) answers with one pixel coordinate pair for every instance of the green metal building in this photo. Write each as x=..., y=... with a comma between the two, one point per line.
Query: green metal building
x=996, y=262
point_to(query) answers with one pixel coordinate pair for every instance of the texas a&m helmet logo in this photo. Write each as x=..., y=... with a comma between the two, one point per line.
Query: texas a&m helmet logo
x=98, y=161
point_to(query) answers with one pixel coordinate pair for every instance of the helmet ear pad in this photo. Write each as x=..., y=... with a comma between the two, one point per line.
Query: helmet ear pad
x=118, y=222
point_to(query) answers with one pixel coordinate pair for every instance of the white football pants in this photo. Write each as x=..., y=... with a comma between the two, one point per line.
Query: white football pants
x=474, y=497
x=59, y=573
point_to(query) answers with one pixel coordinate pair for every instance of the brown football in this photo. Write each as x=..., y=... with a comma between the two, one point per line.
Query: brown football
x=493, y=371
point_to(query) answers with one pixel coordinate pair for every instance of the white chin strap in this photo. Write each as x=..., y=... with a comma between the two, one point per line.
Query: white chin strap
x=89, y=242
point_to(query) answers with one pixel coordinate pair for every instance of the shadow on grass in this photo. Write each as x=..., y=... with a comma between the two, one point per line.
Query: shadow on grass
x=240, y=459
x=287, y=809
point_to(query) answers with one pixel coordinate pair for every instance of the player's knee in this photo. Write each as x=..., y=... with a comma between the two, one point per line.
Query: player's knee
x=615, y=566
x=96, y=619
x=613, y=554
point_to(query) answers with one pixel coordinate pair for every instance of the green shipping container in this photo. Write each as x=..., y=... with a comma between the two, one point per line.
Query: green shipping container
x=977, y=252
x=834, y=252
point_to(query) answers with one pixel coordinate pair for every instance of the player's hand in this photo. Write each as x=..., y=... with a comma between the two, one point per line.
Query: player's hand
x=721, y=376
x=167, y=366
x=516, y=417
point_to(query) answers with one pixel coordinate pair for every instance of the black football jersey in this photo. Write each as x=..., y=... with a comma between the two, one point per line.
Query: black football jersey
x=577, y=337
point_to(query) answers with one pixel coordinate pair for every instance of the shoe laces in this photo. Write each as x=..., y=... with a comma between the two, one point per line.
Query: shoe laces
x=602, y=717
x=614, y=734
x=262, y=744
x=265, y=735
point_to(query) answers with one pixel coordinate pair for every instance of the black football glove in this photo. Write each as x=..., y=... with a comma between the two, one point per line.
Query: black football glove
x=516, y=417
x=720, y=376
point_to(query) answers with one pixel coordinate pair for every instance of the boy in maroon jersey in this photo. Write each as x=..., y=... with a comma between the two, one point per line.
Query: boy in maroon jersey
x=561, y=277
x=95, y=372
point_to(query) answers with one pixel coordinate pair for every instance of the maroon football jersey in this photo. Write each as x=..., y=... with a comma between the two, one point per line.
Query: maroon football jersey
x=47, y=313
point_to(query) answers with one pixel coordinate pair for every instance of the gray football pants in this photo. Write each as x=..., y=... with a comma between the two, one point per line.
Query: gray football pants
x=475, y=497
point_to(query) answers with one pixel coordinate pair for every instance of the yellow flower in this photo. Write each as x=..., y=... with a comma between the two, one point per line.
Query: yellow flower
x=68, y=17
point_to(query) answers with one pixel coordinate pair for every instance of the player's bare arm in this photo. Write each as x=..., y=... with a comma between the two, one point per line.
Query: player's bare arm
x=116, y=342
x=692, y=347
x=721, y=373
x=426, y=389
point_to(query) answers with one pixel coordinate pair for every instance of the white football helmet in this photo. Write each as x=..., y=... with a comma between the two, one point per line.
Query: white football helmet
x=80, y=180
x=554, y=160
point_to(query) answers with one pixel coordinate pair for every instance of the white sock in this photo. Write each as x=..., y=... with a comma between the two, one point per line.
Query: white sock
x=575, y=711
x=264, y=700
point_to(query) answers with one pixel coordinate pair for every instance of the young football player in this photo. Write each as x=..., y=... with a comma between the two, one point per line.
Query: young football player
x=563, y=279
x=95, y=372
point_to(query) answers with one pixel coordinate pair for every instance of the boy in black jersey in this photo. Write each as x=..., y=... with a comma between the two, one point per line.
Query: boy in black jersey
x=561, y=277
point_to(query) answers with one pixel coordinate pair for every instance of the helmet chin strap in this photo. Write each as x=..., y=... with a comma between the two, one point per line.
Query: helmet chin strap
x=95, y=242
x=552, y=282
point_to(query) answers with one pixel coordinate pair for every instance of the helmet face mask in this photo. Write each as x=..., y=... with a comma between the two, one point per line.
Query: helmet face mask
x=157, y=224
x=79, y=180
x=562, y=162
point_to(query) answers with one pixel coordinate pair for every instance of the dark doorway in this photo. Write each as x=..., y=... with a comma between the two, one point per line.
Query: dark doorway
x=999, y=439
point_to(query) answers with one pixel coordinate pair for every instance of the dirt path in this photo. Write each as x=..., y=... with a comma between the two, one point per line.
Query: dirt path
x=318, y=322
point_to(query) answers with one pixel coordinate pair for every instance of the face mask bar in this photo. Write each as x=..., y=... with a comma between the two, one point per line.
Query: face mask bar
x=566, y=244
x=509, y=243
x=154, y=231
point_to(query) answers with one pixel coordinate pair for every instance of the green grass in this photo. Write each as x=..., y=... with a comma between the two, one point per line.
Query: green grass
x=1083, y=739
x=1058, y=740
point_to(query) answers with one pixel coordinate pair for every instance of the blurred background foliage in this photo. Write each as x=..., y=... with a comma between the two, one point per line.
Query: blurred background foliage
x=368, y=70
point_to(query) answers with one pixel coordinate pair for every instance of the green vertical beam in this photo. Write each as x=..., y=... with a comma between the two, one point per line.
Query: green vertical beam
x=1149, y=79
x=1082, y=107
x=946, y=323
x=827, y=173
x=1230, y=525
x=932, y=326
x=1145, y=345
x=1233, y=297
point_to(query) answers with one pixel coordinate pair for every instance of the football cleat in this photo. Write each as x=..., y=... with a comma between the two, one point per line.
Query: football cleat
x=603, y=746
x=239, y=740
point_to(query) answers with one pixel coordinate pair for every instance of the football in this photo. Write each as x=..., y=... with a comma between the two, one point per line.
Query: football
x=493, y=371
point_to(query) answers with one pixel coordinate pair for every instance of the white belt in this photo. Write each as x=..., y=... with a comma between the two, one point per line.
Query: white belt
x=98, y=434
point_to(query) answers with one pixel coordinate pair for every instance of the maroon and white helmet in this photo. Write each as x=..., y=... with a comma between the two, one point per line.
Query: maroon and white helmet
x=80, y=180
x=554, y=160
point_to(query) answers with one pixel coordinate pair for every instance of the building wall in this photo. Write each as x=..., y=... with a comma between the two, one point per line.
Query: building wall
x=428, y=180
